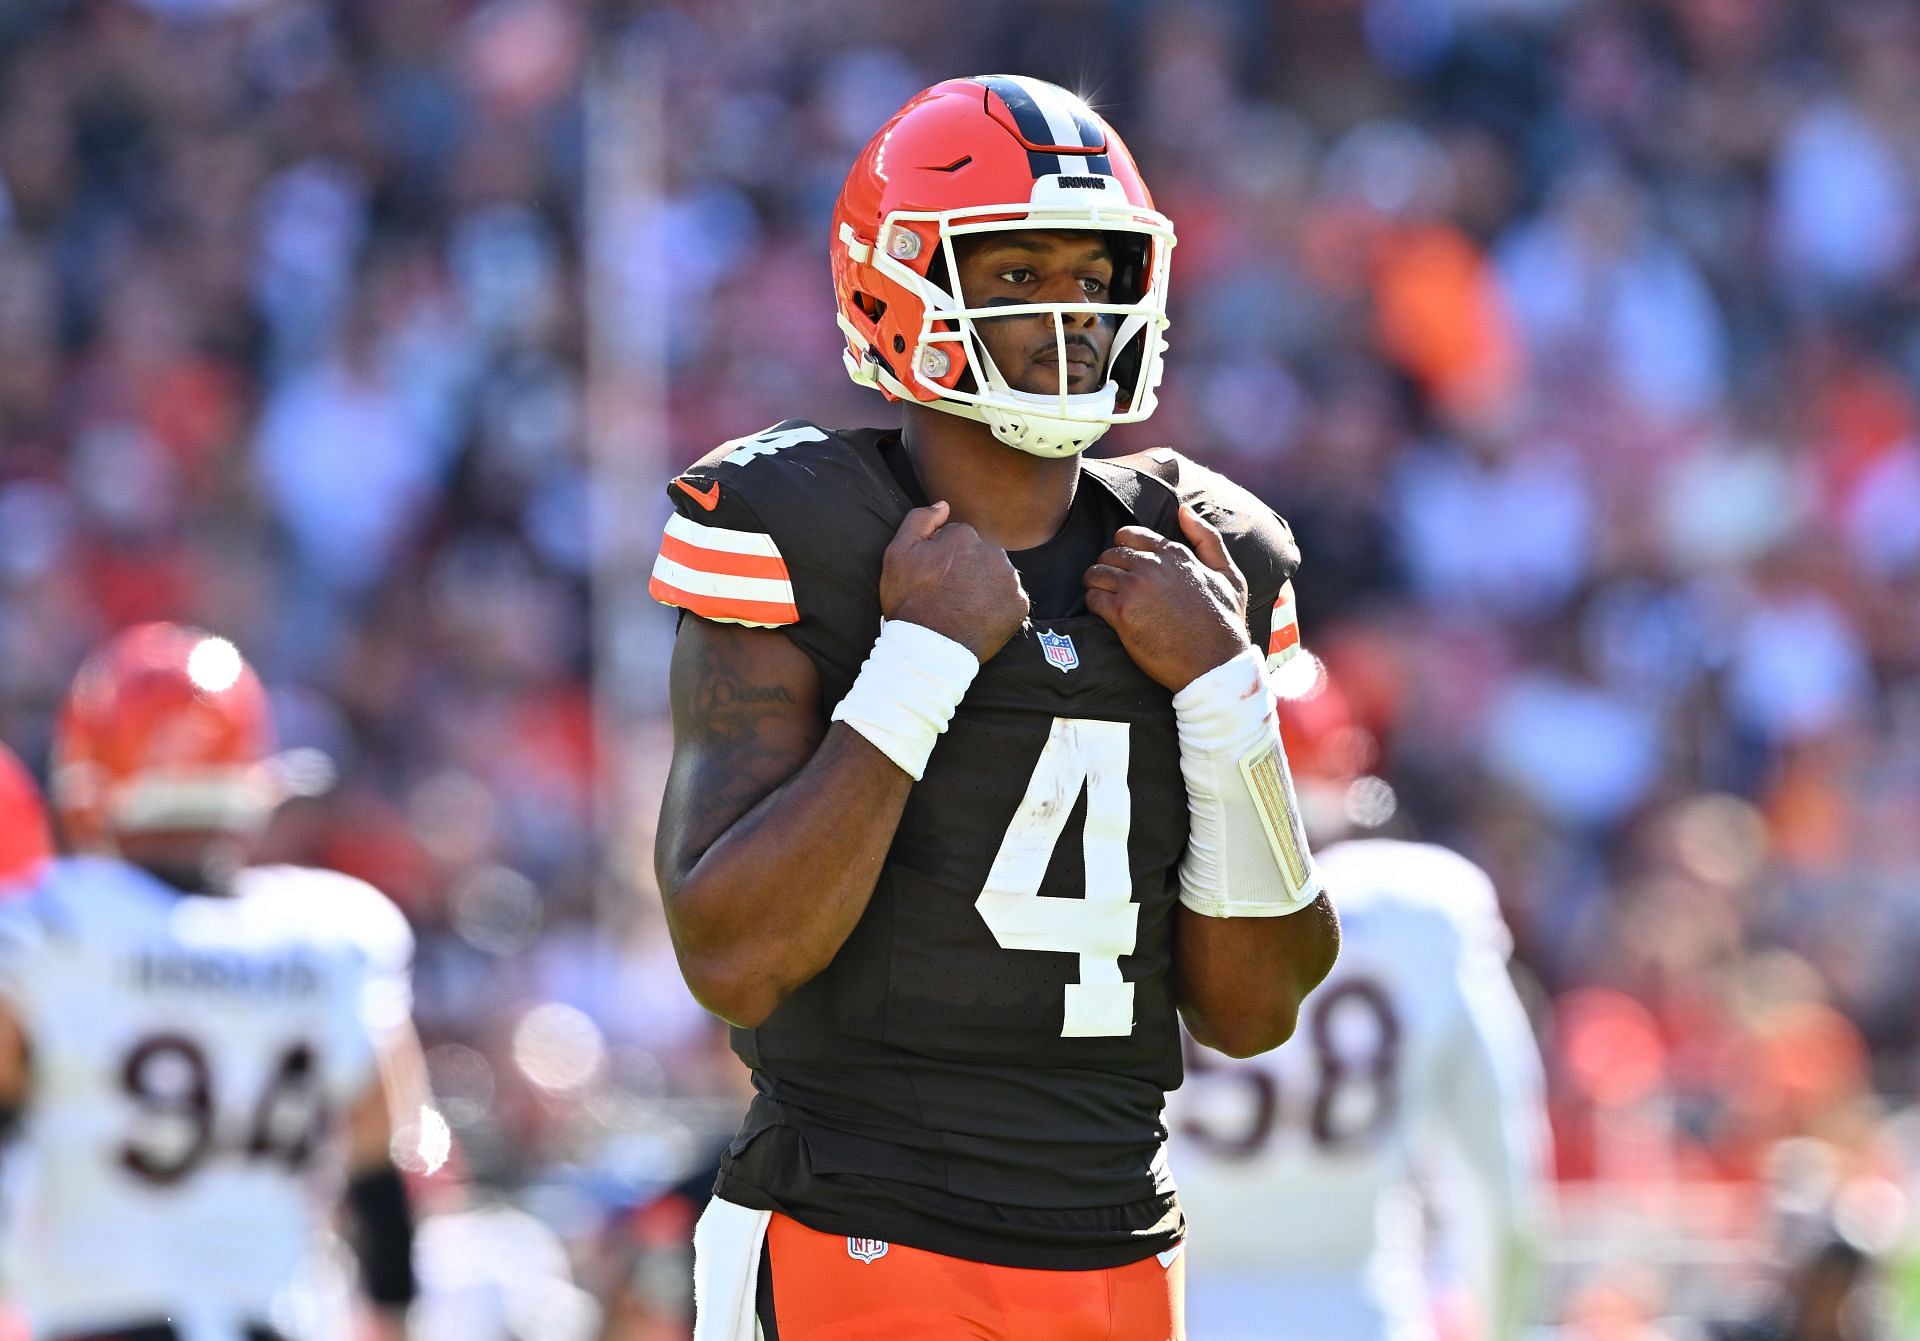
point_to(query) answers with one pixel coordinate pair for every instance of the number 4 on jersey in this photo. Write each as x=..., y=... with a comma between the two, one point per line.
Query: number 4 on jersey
x=1102, y=926
x=768, y=441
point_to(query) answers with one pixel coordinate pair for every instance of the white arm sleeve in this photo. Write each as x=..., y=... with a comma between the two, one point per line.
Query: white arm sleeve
x=1493, y=1110
x=386, y=999
x=382, y=944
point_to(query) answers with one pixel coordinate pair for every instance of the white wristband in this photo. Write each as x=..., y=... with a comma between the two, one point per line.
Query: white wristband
x=906, y=692
x=1247, y=851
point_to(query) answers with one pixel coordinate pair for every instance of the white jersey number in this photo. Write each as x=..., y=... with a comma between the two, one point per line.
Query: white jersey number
x=170, y=1080
x=768, y=441
x=1080, y=753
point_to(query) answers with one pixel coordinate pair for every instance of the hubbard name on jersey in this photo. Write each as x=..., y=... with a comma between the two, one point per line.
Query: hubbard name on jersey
x=189, y=1053
x=981, y=1070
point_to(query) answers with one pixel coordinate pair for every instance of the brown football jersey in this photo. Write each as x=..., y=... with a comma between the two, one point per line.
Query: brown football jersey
x=981, y=1069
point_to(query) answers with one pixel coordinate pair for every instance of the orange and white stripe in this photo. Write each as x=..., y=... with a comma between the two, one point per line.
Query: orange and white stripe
x=1283, y=640
x=736, y=577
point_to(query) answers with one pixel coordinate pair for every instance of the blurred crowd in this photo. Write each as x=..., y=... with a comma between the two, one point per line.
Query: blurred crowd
x=1575, y=338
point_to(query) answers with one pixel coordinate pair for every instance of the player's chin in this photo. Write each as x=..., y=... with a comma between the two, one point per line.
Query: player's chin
x=1043, y=379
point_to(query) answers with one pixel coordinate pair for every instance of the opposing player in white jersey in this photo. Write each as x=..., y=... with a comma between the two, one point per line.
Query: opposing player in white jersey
x=194, y=1050
x=1410, y=1096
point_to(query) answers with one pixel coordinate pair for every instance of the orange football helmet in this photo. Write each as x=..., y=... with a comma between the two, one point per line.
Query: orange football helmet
x=166, y=729
x=989, y=154
x=1330, y=752
x=25, y=841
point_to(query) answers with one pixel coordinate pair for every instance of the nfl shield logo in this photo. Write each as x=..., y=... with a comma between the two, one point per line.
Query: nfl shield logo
x=866, y=1250
x=1059, y=650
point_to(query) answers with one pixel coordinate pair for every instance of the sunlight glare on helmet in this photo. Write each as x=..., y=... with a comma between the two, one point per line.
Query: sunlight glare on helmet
x=214, y=665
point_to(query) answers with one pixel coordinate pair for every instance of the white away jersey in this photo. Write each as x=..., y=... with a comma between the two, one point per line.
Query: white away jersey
x=190, y=1055
x=1300, y=1170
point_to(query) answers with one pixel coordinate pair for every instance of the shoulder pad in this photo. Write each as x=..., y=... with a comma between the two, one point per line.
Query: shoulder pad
x=23, y=932
x=717, y=560
x=335, y=904
x=1259, y=541
x=38, y=919
x=81, y=895
x=1392, y=878
x=760, y=513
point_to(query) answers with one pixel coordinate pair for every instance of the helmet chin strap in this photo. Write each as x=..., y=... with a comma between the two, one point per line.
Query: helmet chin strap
x=1036, y=433
x=1042, y=434
x=1029, y=421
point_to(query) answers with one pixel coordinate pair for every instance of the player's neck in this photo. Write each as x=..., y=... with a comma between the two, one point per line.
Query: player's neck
x=1012, y=498
x=191, y=864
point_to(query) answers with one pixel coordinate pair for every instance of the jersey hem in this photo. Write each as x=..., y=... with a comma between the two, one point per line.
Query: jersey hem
x=966, y=1247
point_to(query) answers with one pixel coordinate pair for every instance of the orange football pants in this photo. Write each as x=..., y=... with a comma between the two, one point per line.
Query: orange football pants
x=827, y=1287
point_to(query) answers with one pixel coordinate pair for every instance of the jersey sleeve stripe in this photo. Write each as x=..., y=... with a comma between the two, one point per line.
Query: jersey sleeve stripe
x=726, y=610
x=722, y=561
x=1284, y=633
x=722, y=538
x=704, y=583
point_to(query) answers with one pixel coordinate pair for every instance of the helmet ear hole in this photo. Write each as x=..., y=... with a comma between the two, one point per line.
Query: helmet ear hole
x=1125, y=371
x=1129, y=285
x=937, y=273
x=1129, y=252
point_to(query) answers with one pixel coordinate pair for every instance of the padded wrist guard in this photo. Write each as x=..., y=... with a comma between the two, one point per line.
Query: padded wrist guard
x=1246, y=848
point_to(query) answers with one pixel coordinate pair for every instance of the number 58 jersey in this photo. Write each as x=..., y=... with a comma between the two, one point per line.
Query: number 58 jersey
x=190, y=1055
x=1413, y=1077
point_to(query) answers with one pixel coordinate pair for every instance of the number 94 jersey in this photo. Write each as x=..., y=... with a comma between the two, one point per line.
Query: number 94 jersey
x=190, y=1055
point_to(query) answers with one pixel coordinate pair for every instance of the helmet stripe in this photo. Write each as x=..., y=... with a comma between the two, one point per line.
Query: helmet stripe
x=1067, y=119
x=1090, y=135
x=1046, y=114
x=1029, y=118
x=1064, y=125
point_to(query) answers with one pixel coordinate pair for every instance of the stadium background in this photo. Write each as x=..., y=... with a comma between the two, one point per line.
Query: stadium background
x=1575, y=337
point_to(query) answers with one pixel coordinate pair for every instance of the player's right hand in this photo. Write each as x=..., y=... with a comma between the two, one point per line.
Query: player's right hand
x=941, y=575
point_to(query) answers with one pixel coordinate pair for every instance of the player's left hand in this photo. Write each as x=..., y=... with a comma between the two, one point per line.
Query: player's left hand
x=1180, y=609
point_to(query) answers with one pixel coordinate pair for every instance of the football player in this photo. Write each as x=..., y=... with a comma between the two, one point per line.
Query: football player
x=26, y=843
x=1413, y=1093
x=201, y=1058
x=976, y=788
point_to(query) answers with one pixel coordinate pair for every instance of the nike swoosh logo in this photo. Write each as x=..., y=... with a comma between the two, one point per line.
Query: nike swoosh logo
x=708, y=500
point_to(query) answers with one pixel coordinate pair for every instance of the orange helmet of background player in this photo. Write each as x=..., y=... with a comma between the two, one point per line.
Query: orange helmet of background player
x=166, y=729
x=25, y=841
x=982, y=155
x=1330, y=752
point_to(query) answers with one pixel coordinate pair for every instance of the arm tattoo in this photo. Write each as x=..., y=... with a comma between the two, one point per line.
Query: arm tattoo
x=723, y=694
x=742, y=726
x=732, y=702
